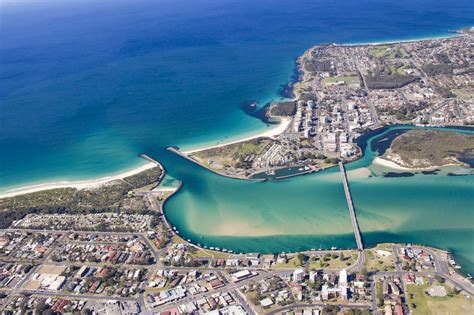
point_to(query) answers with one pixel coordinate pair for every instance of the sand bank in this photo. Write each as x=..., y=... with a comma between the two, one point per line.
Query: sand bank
x=81, y=184
x=270, y=133
x=386, y=163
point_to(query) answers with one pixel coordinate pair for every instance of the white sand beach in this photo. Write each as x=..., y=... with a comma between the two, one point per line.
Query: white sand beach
x=386, y=163
x=81, y=184
x=270, y=133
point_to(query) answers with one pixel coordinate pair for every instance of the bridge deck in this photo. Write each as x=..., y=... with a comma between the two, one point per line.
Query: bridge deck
x=350, y=204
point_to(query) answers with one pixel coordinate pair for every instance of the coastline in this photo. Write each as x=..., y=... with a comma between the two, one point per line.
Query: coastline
x=400, y=41
x=390, y=164
x=80, y=184
x=271, y=133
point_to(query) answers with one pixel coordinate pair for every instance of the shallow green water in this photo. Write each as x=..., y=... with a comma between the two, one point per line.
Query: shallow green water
x=311, y=212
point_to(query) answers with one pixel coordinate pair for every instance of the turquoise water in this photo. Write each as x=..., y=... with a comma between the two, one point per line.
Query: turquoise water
x=86, y=86
x=436, y=210
x=311, y=212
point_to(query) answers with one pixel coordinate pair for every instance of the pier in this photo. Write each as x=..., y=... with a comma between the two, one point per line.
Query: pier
x=350, y=204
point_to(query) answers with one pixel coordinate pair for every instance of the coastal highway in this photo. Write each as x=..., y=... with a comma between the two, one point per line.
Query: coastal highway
x=355, y=224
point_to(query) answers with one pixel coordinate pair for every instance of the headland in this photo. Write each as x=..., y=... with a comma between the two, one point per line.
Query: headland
x=345, y=91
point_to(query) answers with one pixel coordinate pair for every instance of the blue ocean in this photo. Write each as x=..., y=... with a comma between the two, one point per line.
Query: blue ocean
x=86, y=86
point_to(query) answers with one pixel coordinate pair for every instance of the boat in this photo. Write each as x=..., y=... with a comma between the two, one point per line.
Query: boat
x=333, y=248
x=270, y=172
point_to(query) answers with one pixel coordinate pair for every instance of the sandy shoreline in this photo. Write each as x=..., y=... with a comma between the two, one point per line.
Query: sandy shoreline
x=80, y=184
x=386, y=163
x=83, y=184
x=271, y=133
x=391, y=42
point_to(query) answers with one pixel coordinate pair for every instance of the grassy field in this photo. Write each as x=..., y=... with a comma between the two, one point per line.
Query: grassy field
x=328, y=261
x=421, y=303
x=232, y=155
x=377, y=261
x=349, y=80
x=388, y=51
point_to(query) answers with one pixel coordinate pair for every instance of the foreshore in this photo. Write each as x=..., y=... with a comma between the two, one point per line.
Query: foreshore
x=80, y=184
x=390, y=164
x=400, y=41
x=92, y=183
x=271, y=133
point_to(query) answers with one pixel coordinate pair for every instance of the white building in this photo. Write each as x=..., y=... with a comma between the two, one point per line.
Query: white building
x=343, y=277
x=298, y=275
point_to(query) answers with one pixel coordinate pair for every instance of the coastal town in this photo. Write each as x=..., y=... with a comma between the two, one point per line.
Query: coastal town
x=345, y=91
x=132, y=262
x=109, y=248
x=89, y=272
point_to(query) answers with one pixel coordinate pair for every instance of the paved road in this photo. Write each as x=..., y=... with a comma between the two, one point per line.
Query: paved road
x=373, y=110
x=301, y=305
x=227, y=288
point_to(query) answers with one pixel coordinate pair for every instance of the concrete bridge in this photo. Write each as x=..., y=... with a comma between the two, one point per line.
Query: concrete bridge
x=350, y=204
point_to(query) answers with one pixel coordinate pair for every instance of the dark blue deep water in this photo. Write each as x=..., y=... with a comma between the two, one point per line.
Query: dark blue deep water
x=85, y=86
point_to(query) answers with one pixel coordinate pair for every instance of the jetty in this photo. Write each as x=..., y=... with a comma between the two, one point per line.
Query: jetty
x=350, y=204
x=152, y=160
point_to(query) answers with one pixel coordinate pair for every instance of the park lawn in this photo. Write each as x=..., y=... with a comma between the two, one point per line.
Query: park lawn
x=376, y=262
x=388, y=51
x=425, y=304
x=209, y=253
x=334, y=263
x=350, y=80
x=291, y=263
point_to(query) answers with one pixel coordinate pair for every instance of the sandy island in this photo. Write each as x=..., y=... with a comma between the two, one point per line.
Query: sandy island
x=81, y=184
x=270, y=133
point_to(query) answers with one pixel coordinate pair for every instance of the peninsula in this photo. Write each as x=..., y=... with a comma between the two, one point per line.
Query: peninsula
x=418, y=149
x=344, y=91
